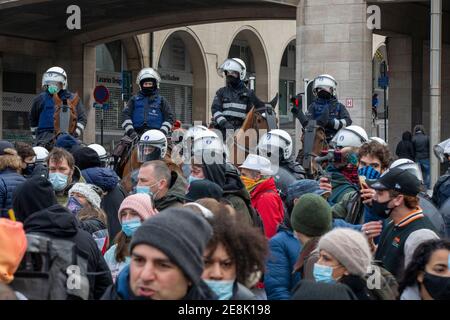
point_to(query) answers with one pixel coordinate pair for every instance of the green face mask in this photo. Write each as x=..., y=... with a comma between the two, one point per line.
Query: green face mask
x=52, y=89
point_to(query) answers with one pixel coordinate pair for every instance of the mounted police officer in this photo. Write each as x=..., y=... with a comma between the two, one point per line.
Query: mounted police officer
x=232, y=103
x=326, y=109
x=148, y=109
x=56, y=110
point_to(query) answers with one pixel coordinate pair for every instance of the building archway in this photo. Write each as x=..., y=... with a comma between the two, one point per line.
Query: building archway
x=248, y=45
x=182, y=66
x=287, y=85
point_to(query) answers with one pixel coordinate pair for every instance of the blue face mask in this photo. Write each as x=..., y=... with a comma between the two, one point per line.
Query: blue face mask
x=130, y=226
x=323, y=273
x=143, y=189
x=74, y=205
x=369, y=172
x=58, y=180
x=223, y=289
x=192, y=179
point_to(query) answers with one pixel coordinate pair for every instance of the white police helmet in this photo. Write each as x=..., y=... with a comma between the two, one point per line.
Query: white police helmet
x=411, y=166
x=150, y=140
x=41, y=154
x=351, y=136
x=325, y=82
x=54, y=75
x=102, y=154
x=234, y=64
x=379, y=140
x=274, y=140
x=148, y=73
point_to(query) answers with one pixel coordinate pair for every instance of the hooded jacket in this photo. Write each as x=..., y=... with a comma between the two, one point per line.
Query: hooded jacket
x=35, y=204
x=121, y=290
x=421, y=145
x=267, y=201
x=108, y=181
x=175, y=196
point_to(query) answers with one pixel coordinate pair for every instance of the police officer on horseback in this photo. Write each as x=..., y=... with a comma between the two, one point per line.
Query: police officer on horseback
x=148, y=109
x=325, y=109
x=232, y=102
x=56, y=110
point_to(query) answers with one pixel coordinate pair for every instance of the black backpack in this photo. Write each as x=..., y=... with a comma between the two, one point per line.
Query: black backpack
x=52, y=269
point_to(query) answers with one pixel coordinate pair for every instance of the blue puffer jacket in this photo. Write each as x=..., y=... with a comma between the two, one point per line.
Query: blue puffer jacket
x=9, y=180
x=284, y=251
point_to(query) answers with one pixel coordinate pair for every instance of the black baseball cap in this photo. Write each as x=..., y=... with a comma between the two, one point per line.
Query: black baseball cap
x=399, y=180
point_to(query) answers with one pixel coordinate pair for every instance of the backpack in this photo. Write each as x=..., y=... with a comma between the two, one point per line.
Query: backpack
x=65, y=117
x=52, y=269
x=384, y=284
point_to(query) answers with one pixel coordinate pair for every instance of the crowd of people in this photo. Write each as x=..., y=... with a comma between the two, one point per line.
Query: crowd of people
x=363, y=229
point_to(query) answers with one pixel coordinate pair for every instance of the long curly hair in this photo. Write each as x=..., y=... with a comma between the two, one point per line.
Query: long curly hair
x=420, y=259
x=245, y=244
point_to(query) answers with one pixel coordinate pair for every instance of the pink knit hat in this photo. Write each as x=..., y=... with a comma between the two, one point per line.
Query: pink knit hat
x=139, y=202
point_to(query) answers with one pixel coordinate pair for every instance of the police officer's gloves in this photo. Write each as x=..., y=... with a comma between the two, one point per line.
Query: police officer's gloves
x=324, y=118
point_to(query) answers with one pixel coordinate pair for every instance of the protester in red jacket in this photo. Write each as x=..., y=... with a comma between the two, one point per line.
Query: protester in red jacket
x=256, y=175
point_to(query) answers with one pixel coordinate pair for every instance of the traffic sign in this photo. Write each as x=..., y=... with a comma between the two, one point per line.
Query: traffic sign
x=101, y=94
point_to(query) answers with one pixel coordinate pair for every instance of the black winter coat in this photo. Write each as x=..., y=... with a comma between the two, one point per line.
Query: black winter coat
x=57, y=222
x=421, y=146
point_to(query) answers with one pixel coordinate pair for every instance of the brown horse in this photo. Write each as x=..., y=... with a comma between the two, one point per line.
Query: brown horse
x=314, y=142
x=259, y=121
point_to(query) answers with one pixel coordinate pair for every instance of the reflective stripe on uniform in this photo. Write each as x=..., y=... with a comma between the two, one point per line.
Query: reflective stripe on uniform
x=80, y=125
x=344, y=122
x=167, y=124
x=218, y=117
x=336, y=124
x=235, y=106
x=33, y=130
x=127, y=123
x=235, y=114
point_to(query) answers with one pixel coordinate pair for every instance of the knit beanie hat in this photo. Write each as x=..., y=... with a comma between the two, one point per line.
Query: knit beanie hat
x=180, y=234
x=311, y=215
x=141, y=203
x=86, y=157
x=88, y=191
x=350, y=248
x=66, y=141
x=204, y=189
x=13, y=244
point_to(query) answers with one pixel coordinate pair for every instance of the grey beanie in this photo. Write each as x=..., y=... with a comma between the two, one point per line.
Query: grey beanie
x=350, y=248
x=181, y=235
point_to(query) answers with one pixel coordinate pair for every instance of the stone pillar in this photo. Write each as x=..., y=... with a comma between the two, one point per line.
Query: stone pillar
x=400, y=88
x=333, y=38
x=79, y=62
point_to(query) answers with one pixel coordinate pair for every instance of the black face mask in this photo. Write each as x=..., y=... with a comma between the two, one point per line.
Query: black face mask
x=381, y=209
x=29, y=169
x=232, y=81
x=322, y=94
x=148, y=91
x=155, y=155
x=438, y=287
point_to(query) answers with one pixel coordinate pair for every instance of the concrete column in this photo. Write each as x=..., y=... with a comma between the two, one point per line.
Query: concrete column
x=435, y=83
x=417, y=80
x=333, y=38
x=79, y=62
x=400, y=88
